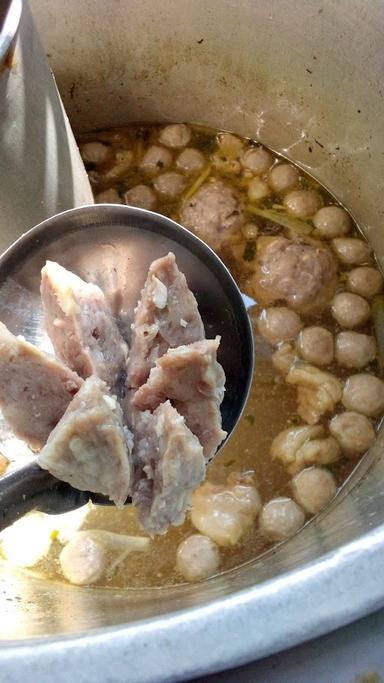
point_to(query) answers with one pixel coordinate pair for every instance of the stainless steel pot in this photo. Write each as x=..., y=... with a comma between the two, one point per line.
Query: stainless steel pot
x=307, y=79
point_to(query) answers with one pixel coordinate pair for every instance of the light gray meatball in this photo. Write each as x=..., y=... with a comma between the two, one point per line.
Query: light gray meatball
x=175, y=135
x=280, y=518
x=283, y=178
x=353, y=431
x=315, y=345
x=365, y=394
x=141, y=196
x=94, y=152
x=214, y=213
x=197, y=558
x=279, y=324
x=350, y=310
x=351, y=250
x=303, y=203
x=169, y=185
x=83, y=560
x=155, y=159
x=365, y=281
x=331, y=222
x=313, y=488
x=257, y=160
x=355, y=350
x=190, y=161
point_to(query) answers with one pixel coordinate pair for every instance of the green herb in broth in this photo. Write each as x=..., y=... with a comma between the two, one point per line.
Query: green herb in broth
x=283, y=219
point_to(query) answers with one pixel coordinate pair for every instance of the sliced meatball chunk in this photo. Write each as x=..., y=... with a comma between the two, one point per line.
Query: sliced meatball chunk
x=175, y=135
x=303, y=203
x=300, y=273
x=155, y=159
x=35, y=388
x=318, y=392
x=354, y=350
x=278, y=325
x=283, y=178
x=257, y=160
x=350, y=310
x=190, y=161
x=214, y=213
x=351, y=251
x=81, y=326
x=280, y=519
x=315, y=344
x=194, y=381
x=298, y=447
x=141, y=196
x=90, y=448
x=197, y=558
x=364, y=394
x=169, y=185
x=353, y=431
x=313, y=488
x=166, y=316
x=331, y=222
x=365, y=281
x=168, y=465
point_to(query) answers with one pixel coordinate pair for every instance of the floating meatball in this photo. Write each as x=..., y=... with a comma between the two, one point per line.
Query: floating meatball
x=257, y=160
x=331, y=222
x=176, y=135
x=299, y=272
x=110, y=196
x=190, y=161
x=197, y=558
x=318, y=392
x=315, y=345
x=365, y=281
x=350, y=310
x=213, y=214
x=141, y=196
x=284, y=358
x=353, y=431
x=354, y=350
x=365, y=394
x=280, y=519
x=94, y=152
x=169, y=185
x=351, y=251
x=279, y=325
x=283, y=178
x=313, y=488
x=155, y=159
x=300, y=446
x=257, y=190
x=303, y=203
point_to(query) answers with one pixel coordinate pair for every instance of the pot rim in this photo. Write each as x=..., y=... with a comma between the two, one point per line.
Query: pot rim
x=10, y=26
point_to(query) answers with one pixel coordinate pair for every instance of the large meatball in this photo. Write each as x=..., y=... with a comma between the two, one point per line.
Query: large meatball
x=301, y=273
x=279, y=324
x=283, y=178
x=351, y=250
x=331, y=222
x=350, y=310
x=213, y=214
x=197, y=558
x=313, y=488
x=315, y=345
x=175, y=135
x=303, y=203
x=366, y=281
x=354, y=350
x=353, y=431
x=280, y=519
x=364, y=393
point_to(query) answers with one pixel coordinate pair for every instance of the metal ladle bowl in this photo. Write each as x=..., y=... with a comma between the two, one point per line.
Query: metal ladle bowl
x=113, y=246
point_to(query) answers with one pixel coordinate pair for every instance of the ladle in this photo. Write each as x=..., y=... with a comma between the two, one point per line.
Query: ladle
x=113, y=246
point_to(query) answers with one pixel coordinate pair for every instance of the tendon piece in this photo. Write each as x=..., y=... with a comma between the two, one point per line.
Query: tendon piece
x=81, y=325
x=89, y=448
x=193, y=380
x=166, y=316
x=35, y=388
x=168, y=465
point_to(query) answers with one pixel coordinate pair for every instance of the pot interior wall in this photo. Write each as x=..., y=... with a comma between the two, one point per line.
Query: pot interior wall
x=302, y=77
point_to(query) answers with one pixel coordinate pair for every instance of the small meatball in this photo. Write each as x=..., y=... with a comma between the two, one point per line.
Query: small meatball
x=353, y=431
x=169, y=185
x=176, y=135
x=315, y=345
x=141, y=196
x=4, y=462
x=298, y=447
x=318, y=392
x=225, y=513
x=213, y=213
x=279, y=325
x=190, y=161
x=257, y=190
x=108, y=197
x=94, y=152
x=313, y=488
x=284, y=358
x=197, y=558
x=331, y=222
x=83, y=560
x=303, y=203
x=280, y=519
x=155, y=159
x=365, y=394
x=351, y=251
x=283, y=178
x=350, y=310
x=354, y=350
x=365, y=281
x=257, y=160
